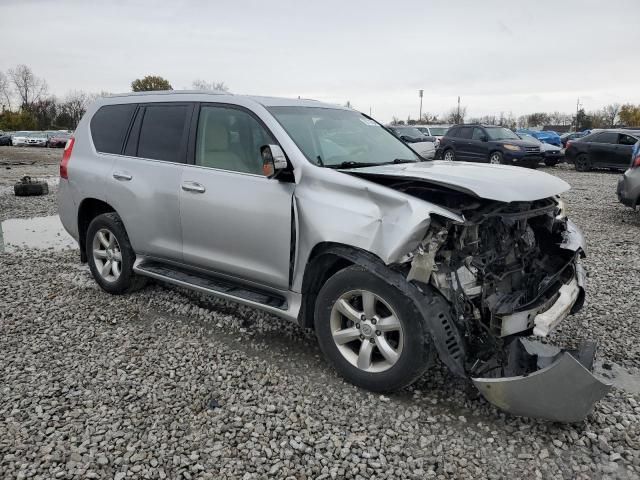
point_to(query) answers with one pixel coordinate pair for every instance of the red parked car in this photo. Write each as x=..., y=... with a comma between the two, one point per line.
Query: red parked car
x=58, y=139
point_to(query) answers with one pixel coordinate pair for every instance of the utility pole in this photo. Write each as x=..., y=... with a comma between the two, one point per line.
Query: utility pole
x=420, y=92
x=577, y=111
x=458, y=115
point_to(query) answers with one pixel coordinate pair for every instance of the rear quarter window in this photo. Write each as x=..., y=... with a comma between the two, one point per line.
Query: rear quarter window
x=109, y=127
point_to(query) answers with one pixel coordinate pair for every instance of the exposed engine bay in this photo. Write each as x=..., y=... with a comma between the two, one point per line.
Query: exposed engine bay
x=509, y=271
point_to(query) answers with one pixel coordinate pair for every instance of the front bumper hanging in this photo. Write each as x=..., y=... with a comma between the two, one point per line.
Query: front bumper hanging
x=545, y=382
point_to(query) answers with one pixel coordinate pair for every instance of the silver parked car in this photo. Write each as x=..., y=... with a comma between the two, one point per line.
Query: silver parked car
x=320, y=215
x=629, y=184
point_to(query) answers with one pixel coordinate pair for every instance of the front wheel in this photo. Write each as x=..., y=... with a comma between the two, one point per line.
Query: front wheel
x=449, y=155
x=110, y=255
x=370, y=331
x=495, y=158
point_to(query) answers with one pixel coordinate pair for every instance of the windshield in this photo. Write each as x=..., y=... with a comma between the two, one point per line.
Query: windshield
x=36, y=134
x=332, y=138
x=501, y=133
x=438, y=131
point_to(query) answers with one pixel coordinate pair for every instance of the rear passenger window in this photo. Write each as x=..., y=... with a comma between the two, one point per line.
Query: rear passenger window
x=163, y=133
x=626, y=140
x=109, y=126
x=606, y=137
x=465, y=132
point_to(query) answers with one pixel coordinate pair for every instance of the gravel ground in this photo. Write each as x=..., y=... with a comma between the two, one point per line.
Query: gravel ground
x=167, y=383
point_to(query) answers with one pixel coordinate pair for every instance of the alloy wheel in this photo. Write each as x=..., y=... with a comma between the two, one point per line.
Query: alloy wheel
x=107, y=256
x=366, y=331
x=495, y=159
x=448, y=156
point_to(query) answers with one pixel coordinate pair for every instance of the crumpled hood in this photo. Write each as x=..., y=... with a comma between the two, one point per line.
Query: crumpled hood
x=493, y=182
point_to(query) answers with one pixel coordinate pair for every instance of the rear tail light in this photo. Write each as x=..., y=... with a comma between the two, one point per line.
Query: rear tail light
x=635, y=163
x=568, y=144
x=66, y=156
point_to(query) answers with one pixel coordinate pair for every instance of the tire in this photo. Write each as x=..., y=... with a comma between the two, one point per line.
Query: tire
x=551, y=162
x=106, y=233
x=449, y=155
x=30, y=189
x=496, y=158
x=410, y=342
x=582, y=163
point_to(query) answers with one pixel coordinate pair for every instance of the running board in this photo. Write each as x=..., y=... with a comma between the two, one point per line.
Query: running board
x=217, y=286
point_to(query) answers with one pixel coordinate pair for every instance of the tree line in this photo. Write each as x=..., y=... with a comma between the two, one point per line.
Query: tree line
x=614, y=115
x=28, y=105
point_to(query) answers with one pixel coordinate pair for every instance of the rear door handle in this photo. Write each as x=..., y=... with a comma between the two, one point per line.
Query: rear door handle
x=194, y=187
x=122, y=176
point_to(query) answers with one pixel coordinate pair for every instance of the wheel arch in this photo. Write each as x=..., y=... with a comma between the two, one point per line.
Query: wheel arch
x=329, y=258
x=326, y=259
x=89, y=209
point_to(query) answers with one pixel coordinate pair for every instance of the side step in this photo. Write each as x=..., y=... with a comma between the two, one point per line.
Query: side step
x=209, y=284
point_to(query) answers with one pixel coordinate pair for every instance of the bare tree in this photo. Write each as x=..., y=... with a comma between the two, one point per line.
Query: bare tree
x=204, y=85
x=5, y=91
x=610, y=114
x=456, y=115
x=27, y=86
x=75, y=104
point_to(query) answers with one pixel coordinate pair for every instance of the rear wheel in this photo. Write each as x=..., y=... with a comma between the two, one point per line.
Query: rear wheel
x=582, y=163
x=370, y=331
x=449, y=155
x=110, y=255
x=496, y=158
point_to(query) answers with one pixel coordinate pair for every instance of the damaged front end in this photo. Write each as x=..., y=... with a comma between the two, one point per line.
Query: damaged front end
x=511, y=271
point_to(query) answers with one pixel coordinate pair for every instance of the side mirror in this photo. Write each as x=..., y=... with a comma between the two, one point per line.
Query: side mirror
x=273, y=160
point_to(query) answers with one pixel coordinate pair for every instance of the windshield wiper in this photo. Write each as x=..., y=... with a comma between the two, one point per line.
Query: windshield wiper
x=352, y=164
x=403, y=160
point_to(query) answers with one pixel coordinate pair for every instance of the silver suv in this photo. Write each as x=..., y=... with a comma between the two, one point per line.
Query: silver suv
x=319, y=214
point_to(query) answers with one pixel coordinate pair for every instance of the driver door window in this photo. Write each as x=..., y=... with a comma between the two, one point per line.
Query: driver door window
x=478, y=134
x=230, y=139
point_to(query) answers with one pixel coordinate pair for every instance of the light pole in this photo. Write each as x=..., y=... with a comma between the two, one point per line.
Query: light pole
x=577, y=111
x=420, y=92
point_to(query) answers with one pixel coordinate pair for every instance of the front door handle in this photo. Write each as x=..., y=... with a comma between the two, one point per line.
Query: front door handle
x=122, y=176
x=193, y=187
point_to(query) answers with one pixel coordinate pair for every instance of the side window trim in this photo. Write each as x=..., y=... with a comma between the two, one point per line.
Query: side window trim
x=193, y=134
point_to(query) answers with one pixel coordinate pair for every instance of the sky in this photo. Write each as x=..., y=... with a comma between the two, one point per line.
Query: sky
x=499, y=56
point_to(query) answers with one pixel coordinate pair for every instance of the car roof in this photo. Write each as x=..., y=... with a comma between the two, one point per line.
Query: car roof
x=210, y=95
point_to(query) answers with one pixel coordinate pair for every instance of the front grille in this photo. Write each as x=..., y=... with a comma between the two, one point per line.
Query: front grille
x=532, y=149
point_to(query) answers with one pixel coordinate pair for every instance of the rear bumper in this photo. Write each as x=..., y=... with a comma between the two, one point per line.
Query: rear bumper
x=554, y=385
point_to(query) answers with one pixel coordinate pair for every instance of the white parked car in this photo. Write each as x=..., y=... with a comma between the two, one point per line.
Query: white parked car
x=436, y=131
x=37, y=139
x=19, y=139
x=552, y=153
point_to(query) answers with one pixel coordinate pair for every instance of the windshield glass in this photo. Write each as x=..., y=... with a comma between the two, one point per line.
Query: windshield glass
x=529, y=138
x=36, y=134
x=438, y=131
x=331, y=137
x=501, y=133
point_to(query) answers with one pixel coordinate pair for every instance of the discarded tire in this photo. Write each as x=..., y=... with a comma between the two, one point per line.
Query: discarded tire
x=28, y=188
